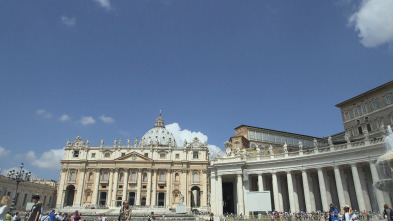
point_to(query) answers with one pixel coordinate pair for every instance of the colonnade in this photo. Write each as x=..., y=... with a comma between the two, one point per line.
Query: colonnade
x=305, y=189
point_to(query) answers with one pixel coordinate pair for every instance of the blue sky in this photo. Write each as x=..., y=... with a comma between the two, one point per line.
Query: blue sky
x=102, y=69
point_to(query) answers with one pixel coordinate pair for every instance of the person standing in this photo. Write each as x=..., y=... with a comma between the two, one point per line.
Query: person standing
x=125, y=212
x=387, y=213
x=36, y=209
x=5, y=206
x=17, y=217
x=333, y=213
x=52, y=215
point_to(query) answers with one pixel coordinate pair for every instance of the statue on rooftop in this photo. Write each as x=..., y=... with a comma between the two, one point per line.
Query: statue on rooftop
x=330, y=142
x=300, y=145
x=102, y=142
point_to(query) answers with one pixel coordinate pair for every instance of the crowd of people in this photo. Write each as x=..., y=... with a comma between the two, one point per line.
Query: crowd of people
x=334, y=214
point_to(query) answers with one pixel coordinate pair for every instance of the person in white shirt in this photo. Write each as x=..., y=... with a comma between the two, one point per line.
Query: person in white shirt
x=5, y=206
x=348, y=214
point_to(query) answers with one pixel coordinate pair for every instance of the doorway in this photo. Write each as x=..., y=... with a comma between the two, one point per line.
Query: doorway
x=102, y=200
x=161, y=199
x=69, y=195
x=228, y=198
x=131, y=198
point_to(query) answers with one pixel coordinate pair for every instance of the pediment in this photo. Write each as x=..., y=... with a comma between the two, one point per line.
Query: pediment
x=133, y=156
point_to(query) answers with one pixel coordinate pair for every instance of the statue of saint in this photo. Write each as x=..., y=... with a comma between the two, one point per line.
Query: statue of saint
x=181, y=199
x=128, y=142
x=102, y=142
x=87, y=142
x=219, y=154
x=135, y=142
x=258, y=150
x=285, y=148
x=115, y=143
x=185, y=143
x=330, y=142
x=120, y=143
x=347, y=137
x=315, y=143
x=271, y=149
x=300, y=145
x=211, y=156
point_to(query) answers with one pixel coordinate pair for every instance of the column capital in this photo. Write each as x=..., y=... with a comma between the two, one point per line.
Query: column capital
x=319, y=169
x=289, y=171
x=372, y=162
x=353, y=165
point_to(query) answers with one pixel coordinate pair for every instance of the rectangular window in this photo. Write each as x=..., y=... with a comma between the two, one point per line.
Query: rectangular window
x=368, y=127
x=177, y=156
x=146, y=154
x=265, y=137
x=379, y=123
x=374, y=105
x=133, y=176
x=93, y=155
x=162, y=177
x=195, y=155
x=356, y=112
x=123, y=154
x=271, y=138
x=76, y=153
x=72, y=176
x=346, y=115
x=364, y=109
x=388, y=99
x=107, y=155
x=105, y=176
x=251, y=134
x=360, y=130
x=259, y=136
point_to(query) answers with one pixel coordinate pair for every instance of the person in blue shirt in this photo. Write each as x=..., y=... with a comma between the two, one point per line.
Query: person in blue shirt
x=52, y=216
x=333, y=213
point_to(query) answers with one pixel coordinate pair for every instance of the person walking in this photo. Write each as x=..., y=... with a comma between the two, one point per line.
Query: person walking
x=387, y=213
x=17, y=217
x=5, y=206
x=36, y=210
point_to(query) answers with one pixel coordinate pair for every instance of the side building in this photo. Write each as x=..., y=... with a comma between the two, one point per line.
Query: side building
x=154, y=172
x=47, y=190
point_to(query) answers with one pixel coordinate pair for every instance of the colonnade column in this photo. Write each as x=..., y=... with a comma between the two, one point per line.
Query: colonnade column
x=109, y=200
x=60, y=200
x=239, y=190
x=114, y=194
x=378, y=193
x=168, y=188
x=358, y=188
x=148, y=195
x=96, y=185
x=219, y=195
x=322, y=190
x=139, y=188
x=214, y=194
x=205, y=189
x=339, y=185
x=125, y=185
x=306, y=191
x=290, y=192
x=260, y=182
x=79, y=191
x=275, y=192
x=154, y=192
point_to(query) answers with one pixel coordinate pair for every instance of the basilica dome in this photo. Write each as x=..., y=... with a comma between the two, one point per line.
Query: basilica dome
x=158, y=136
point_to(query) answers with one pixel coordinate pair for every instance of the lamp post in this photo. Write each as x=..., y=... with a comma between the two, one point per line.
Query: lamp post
x=18, y=176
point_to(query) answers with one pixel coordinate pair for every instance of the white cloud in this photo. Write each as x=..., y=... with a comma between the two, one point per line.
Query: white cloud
x=87, y=120
x=43, y=113
x=49, y=160
x=125, y=133
x=70, y=22
x=4, y=152
x=106, y=119
x=104, y=3
x=374, y=22
x=181, y=135
x=64, y=118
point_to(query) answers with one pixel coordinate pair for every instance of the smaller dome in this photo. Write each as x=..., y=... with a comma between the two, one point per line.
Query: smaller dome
x=158, y=135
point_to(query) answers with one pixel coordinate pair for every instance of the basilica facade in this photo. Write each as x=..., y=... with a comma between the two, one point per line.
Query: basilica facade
x=152, y=172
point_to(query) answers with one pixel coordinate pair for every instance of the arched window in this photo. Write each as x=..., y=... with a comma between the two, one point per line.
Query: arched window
x=196, y=177
x=162, y=156
x=121, y=176
x=144, y=177
x=105, y=176
x=162, y=177
x=107, y=155
x=177, y=177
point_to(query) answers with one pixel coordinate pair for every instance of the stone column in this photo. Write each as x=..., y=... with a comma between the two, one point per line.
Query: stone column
x=168, y=189
x=204, y=189
x=60, y=200
x=260, y=182
x=125, y=185
x=213, y=194
x=295, y=193
x=291, y=192
x=275, y=192
x=239, y=190
x=219, y=195
x=114, y=194
x=96, y=185
x=109, y=200
x=280, y=193
x=148, y=195
x=340, y=188
x=306, y=191
x=154, y=187
x=139, y=188
x=358, y=188
x=378, y=193
x=322, y=190
x=79, y=191
x=184, y=190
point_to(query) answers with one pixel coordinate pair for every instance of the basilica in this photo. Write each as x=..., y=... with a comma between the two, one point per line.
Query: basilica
x=152, y=172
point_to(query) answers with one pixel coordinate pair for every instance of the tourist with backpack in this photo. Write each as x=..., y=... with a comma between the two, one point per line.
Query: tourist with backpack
x=387, y=213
